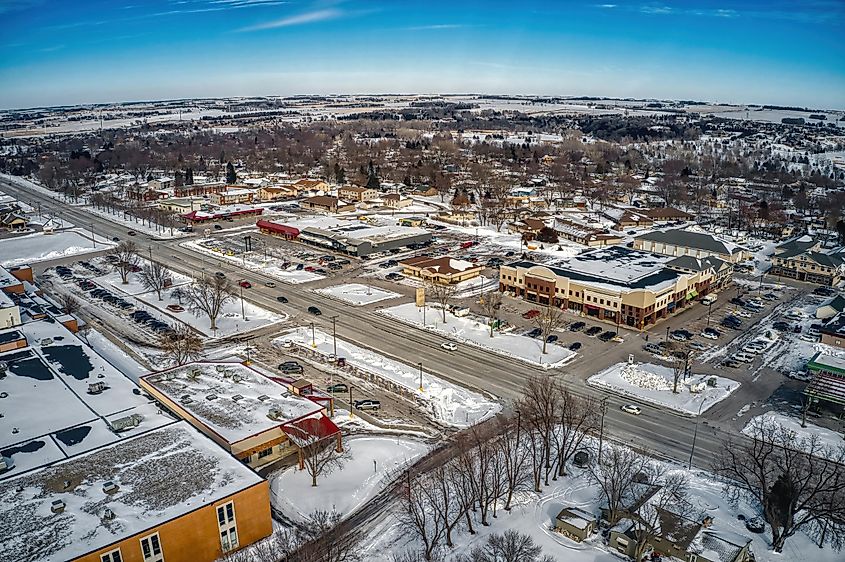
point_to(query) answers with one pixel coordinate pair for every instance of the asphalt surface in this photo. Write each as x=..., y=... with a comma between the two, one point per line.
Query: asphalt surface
x=656, y=431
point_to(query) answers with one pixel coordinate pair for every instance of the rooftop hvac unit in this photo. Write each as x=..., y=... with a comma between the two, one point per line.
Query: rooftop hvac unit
x=264, y=398
x=6, y=463
x=110, y=487
x=108, y=514
x=236, y=378
x=186, y=399
x=57, y=506
x=237, y=397
x=126, y=422
x=211, y=397
x=46, y=341
x=3, y=366
x=220, y=368
x=96, y=387
x=275, y=413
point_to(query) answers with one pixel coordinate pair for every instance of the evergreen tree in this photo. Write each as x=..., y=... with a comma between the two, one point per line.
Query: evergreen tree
x=179, y=179
x=189, y=176
x=231, y=176
x=372, y=177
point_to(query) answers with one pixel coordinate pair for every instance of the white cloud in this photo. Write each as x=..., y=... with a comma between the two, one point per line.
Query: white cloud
x=299, y=19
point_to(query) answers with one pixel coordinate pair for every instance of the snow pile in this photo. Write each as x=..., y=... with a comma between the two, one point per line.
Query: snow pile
x=653, y=384
x=357, y=294
x=444, y=401
x=475, y=331
x=42, y=247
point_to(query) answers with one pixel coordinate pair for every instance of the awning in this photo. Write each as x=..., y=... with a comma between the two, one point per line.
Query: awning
x=692, y=294
x=310, y=429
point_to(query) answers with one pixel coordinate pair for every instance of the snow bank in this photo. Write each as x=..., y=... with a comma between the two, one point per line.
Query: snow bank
x=42, y=247
x=357, y=294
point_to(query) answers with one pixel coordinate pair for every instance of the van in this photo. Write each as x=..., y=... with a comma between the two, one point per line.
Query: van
x=708, y=299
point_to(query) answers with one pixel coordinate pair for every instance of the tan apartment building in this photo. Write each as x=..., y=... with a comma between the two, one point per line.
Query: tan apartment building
x=396, y=201
x=233, y=196
x=802, y=260
x=326, y=204
x=613, y=284
x=356, y=193
x=679, y=242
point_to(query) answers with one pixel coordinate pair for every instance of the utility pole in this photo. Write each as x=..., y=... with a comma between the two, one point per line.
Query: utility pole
x=694, y=436
x=93, y=239
x=334, y=334
x=151, y=253
x=709, y=307
x=243, y=308
x=601, y=427
x=420, y=366
x=313, y=339
x=351, y=407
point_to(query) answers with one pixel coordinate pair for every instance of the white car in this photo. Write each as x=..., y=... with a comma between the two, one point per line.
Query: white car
x=742, y=313
x=632, y=409
x=449, y=346
x=743, y=357
x=709, y=335
x=270, y=284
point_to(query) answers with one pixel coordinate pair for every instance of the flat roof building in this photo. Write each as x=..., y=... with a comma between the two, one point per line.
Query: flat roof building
x=680, y=242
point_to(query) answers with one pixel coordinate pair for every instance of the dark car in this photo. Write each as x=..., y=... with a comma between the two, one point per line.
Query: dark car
x=131, y=233
x=291, y=368
x=781, y=326
x=551, y=339
x=508, y=254
x=282, y=299
x=607, y=336
x=534, y=333
x=115, y=239
x=577, y=327
x=367, y=405
x=218, y=227
x=737, y=301
x=575, y=346
x=824, y=291
x=594, y=331
x=338, y=387
x=220, y=274
x=394, y=276
x=315, y=311
x=731, y=363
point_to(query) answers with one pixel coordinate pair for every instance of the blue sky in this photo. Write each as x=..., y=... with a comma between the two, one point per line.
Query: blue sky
x=775, y=51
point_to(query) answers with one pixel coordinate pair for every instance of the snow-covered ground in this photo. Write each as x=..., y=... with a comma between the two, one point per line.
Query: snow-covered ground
x=475, y=331
x=654, y=383
x=271, y=266
x=155, y=230
x=372, y=462
x=827, y=437
x=114, y=355
x=444, y=401
x=357, y=294
x=41, y=247
x=34, y=186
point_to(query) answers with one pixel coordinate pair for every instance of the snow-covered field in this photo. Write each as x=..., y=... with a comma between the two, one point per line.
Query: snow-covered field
x=41, y=247
x=474, y=331
x=373, y=461
x=357, y=294
x=654, y=383
x=271, y=267
x=444, y=401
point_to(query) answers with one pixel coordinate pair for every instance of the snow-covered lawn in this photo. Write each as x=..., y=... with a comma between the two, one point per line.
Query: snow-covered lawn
x=357, y=294
x=475, y=331
x=653, y=384
x=40, y=247
x=372, y=463
x=444, y=401
x=827, y=437
x=270, y=266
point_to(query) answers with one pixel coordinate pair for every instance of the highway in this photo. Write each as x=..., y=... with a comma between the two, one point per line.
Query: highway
x=656, y=431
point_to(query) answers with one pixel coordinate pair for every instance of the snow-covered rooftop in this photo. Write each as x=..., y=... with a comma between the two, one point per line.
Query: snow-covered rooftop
x=160, y=475
x=231, y=399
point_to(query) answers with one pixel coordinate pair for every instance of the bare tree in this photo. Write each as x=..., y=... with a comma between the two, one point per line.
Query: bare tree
x=321, y=542
x=181, y=346
x=491, y=303
x=514, y=456
x=127, y=259
x=155, y=277
x=617, y=474
x=442, y=294
x=670, y=498
x=577, y=416
x=550, y=319
x=207, y=297
x=69, y=304
x=795, y=480
x=318, y=455
x=538, y=407
x=510, y=546
x=419, y=513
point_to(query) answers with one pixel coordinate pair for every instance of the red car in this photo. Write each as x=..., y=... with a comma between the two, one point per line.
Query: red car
x=244, y=283
x=533, y=313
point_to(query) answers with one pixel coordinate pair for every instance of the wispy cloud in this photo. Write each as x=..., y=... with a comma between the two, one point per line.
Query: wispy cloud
x=298, y=19
x=439, y=26
x=606, y=6
x=15, y=5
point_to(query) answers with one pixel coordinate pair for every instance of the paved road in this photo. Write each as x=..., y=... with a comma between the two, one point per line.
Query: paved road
x=657, y=431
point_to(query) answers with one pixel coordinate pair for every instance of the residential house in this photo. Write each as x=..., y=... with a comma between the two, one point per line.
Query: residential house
x=309, y=185
x=143, y=193
x=529, y=226
x=160, y=184
x=575, y=523
x=802, y=259
x=326, y=204
x=356, y=193
x=442, y=270
x=681, y=242
x=667, y=214
x=12, y=219
x=396, y=201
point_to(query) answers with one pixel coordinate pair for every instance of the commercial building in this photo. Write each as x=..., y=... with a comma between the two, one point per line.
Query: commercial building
x=326, y=204
x=833, y=331
x=232, y=195
x=614, y=284
x=355, y=193
x=442, y=270
x=585, y=235
x=167, y=494
x=828, y=383
x=222, y=213
x=679, y=242
x=802, y=259
x=244, y=411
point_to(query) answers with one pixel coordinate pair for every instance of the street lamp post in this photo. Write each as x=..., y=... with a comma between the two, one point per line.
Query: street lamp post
x=93, y=239
x=334, y=334
x=601, y=427
x=709, y=307
x=667, y=333
x=421, y=385
x=313, y=339
x=243, y=307
x=694, y=436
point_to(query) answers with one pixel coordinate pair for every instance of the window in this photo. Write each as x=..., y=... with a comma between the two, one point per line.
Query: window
x=228, y=526
x=265, y=453
x=113, y=556
x=151, y=549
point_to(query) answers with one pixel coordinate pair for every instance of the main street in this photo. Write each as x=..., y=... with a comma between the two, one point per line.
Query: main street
x=656, y=431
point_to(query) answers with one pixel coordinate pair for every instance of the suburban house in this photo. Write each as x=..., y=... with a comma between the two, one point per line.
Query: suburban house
x=143, y=193
x=667, y=214
x=575, y=523
x=802, y=259
x=396, y=201
x=160, y=184
x=627, y=218
x=309, y=185
x=248, y=413
x=443, y=270
x=12, y=219
x=326, y=204
x=356, y=193
x=613, y=284
x=528, y=226
x=232, y=195
x=681, y=242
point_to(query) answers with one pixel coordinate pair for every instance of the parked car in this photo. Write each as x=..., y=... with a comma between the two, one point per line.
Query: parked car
x=653, y=348
x=551, y=339
x=220, y=274
x=338, y=387
x=534, y=333
x=743, y=357
x=824, y=291
x=756, y=525
x=631, y=409
x=737, y=301
x=698, y=346
x=291, y=368
x=577, y=327
x=575, y=346
x=770, y=297
x=394, y=276
x=731, y=363
x=681, y=335
x=367, y=405
x=607, y=336
x=131, y=233
x=781, y=326
x=315, y=311
x=175, y=308
x=593, y=331
x=115, y=239
x=282, y=299
x=449, y=346
x=218, y=227
x=533, y=313
x=709, y=335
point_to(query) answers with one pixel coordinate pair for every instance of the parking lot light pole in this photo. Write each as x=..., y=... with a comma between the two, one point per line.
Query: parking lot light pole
x=243, y=308
x=420, y=366
x=313, y=339
x=334, y=334
x=667, y=333
x=351, y=407
x=601, y=427
x=709, y=307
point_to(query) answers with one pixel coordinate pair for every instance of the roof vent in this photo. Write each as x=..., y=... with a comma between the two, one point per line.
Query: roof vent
x=110, y=487
x=108, y=514
x=6, y=463
x=264, y=398
x=220, y=368
x=276, y=413
x=236, y=378
x=211, y=397
x=186, y=399
x=57, y=506
x=237, y=397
